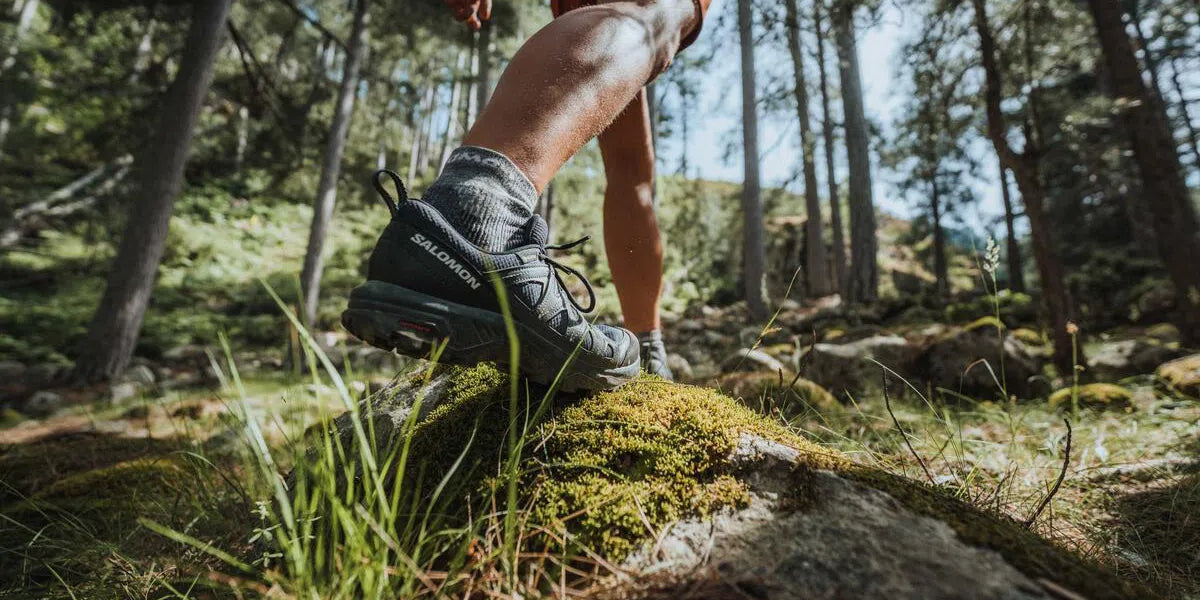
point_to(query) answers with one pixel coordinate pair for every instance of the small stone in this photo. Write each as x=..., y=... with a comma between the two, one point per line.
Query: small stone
x=120, y=392
x=141, y=375
x=42, y=404
x=751, y=360
x=680, y=367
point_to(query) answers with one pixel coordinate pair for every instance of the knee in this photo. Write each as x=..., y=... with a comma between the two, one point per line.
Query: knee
x=657, y=24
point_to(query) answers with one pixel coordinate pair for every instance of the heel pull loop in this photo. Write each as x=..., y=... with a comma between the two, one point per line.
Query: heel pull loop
x=379, y=187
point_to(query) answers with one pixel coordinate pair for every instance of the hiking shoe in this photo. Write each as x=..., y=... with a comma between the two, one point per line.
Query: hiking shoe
x=654, y=356
x=428, y=284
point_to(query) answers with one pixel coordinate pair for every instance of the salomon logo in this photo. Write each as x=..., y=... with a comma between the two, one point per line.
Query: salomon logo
x=447, y=260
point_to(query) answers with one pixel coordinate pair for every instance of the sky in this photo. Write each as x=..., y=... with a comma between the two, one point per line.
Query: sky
x=715, y=151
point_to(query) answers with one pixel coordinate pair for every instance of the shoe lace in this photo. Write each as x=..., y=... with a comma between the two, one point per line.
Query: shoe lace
x=558, y=269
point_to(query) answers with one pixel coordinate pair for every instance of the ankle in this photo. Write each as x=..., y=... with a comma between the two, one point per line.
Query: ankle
x=484, y=196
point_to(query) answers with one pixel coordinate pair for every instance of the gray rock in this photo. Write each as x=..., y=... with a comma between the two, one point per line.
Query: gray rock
x=1117, y=360
x=680, y=367
x=140, y=375
x=850, y=368
x=11, y=372
x=187, y=353
x=968, y=362
x=119, y=392
x=42, y=404
x=847, y=541
x=750, y=360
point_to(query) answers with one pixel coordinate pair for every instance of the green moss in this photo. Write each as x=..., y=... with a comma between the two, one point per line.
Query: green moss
x=606, y=465
x=1163, y=332
x=777, y=394
x=1182, y=374
x=1029, y=336
x=643, y=456
x=990, y=323
x=1094, y=395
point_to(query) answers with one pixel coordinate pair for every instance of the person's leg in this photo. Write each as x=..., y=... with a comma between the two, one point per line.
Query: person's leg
x=572, y=78
x=429, y=277
x=631, y=229
x=631, y=237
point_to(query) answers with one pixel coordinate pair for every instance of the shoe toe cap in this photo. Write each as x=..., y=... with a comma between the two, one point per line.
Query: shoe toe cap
x=625, y=344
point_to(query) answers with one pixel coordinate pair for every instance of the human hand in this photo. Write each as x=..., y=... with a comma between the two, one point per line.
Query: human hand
x=471, y=12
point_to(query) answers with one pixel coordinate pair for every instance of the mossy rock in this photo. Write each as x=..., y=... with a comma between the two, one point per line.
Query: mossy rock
x=1029, y=337
x=988, y=323
x=778, y=394
x=614, y=471
x=1182, y=374
x=1105, y=396
x=1164, y=332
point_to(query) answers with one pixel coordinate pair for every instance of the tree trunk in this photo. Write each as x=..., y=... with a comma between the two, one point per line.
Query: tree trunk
x=7, y=108
x=113, y=332
x=753, y=241
x=864, y=272
x=1016, y=269
x=940, y=270
x=339, y=129
x=418, y=132
x=1186, y=112
x=1158, y=162
x=456, y=92
x=483, y=85
x=816, y=263
x=1025, y=171
x=835, y=207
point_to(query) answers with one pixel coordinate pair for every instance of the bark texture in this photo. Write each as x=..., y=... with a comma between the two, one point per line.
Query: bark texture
x=1016, y=267
x=754, y=247
x=113, y=332
x=815, y=261
x=1155, y=152
x=1025, y=170
x=331, y=166
x=863, y=280
x=835, y=207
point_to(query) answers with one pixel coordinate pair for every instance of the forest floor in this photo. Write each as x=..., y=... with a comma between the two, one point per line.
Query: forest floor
x=87, y=474
x=1130, y=495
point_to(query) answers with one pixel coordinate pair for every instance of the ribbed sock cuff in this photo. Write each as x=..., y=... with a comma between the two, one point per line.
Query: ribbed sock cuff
x=485, y=197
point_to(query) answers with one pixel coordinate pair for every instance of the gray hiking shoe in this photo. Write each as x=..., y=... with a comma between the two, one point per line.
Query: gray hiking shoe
x=654, y=355
x=426, y=283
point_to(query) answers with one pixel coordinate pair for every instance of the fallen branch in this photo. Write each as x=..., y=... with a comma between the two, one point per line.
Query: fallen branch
x=887, y=401
x=57, y=205
x=1061, y=476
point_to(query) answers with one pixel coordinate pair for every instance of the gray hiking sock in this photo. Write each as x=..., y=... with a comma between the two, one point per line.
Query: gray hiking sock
x=485, y=197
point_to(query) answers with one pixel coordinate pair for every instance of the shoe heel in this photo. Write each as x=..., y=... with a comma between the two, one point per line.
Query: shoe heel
x=413, y=335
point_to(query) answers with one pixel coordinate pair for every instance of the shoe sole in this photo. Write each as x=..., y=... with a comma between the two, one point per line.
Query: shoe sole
x=392, y=317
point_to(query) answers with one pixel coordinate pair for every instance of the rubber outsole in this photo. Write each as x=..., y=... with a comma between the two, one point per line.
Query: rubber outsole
x=392, y=317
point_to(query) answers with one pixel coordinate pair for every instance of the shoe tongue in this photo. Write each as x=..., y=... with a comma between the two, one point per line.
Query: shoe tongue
x=537, y=231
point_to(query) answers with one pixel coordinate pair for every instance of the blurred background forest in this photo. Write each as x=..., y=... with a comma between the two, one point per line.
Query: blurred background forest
x=930, y=184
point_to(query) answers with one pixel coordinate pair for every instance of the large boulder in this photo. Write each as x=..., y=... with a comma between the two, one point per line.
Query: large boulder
x=853, y=368
x=1113, y=361
x=980, y=362
x=692, y=495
